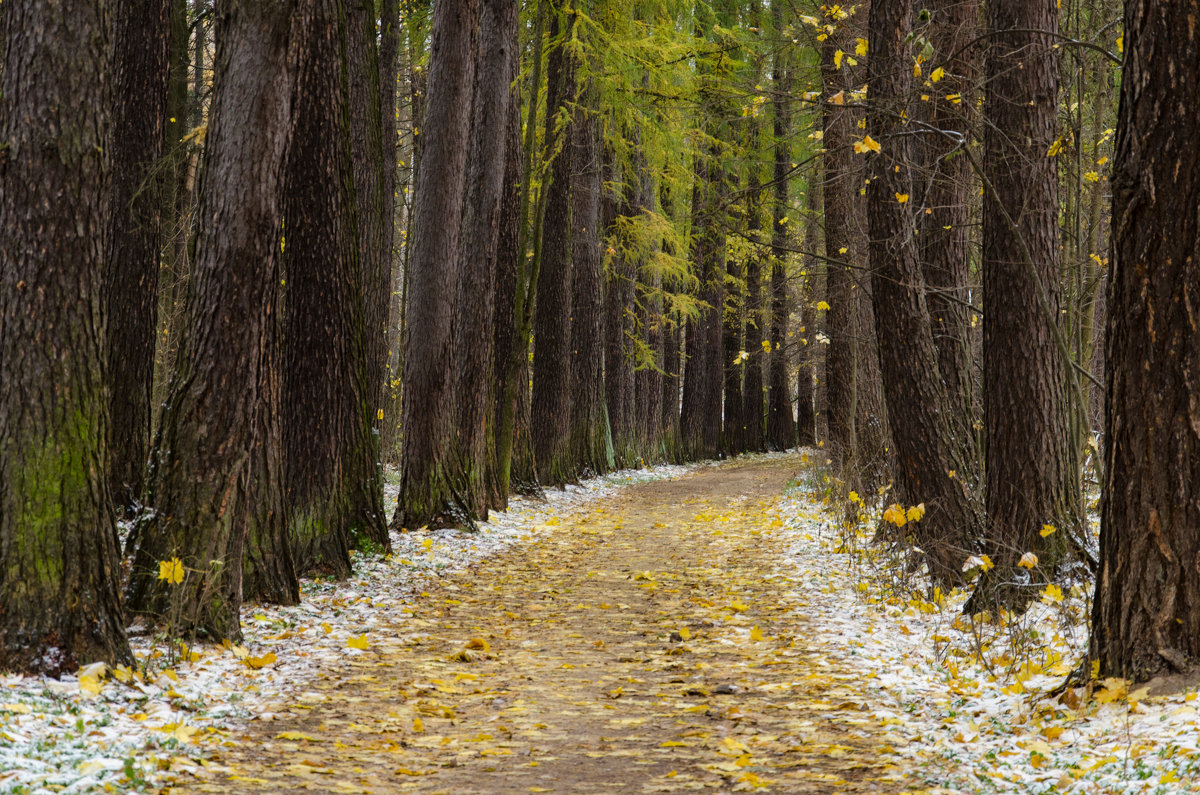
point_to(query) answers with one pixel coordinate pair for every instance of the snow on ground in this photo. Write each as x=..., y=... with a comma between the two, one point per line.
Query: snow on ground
x=123, y=731
x=971, y=722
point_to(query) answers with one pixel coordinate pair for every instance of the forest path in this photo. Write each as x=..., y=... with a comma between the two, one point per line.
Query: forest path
x=651, y=643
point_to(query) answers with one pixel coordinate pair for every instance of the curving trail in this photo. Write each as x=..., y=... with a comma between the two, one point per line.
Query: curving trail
x=650, y=644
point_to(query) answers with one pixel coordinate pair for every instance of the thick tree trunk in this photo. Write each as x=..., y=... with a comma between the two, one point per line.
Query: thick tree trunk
x=701, y=417
x=839, y=192
x=945, y=195
x=59, y=568
x=475, y=332
x=372, y=164
x=591, y=445
x=216, y=478
x=508, y=264
x=552, y=312
x=619, y=286
x=1146, y=611
x=1032, y=477
x=927, y=457
x=141, y=68
x=429, y=356
x=333, y=483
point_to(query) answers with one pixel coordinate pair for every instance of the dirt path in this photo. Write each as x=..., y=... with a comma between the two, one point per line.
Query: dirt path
x=649, y=644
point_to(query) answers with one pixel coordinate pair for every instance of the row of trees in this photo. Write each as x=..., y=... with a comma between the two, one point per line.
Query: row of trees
x=512, y=247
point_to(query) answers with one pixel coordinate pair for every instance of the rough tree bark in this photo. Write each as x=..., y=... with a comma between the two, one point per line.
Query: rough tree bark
x=507, y=323
x=141, y=68
x=1146, y=612
x=475, y=330
x=59, y=568
x=216, y=478
x=333, y=485
x=781, y=425
x=589, y=435
x=700, y=420
x=1032, y=477
x=839, y=188
x=552, y=312
x=425, y=494
x=927, y=458
x=371, y=114
x=945, y=186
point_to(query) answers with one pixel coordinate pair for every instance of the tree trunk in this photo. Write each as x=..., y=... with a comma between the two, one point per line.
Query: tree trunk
x=1145, y=619
x=59, y=567
x=509, y=265
x=333, y=484
x=552, y=312
x=589, y=435
x=619, y=376
x=216, y=478
x=1032, y=478
x=946, y=185
x=753, y=398
x=425, y=494
x=372, y=165
x=733, y=319
x=806, y=417
x=839, y=195
x=701, y=418
x=475, y=333
x=781, y=425
x=141, y=68
x=927, y=457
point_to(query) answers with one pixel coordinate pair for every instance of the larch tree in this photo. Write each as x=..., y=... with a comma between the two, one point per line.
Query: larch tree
x=943, y=188
x=217, y=486
x=482, y=215
x=433, y=263
x=59, y=567
x=781, y=424
x=371, y=112
x=927, y=457
x=839, y=193
x=140, y=72
x=1031, y=471
x=333, y=485
x=589, y=433
x=552, y=311
x=1145, y=620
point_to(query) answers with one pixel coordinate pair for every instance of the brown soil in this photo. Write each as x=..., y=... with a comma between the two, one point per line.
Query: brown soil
x=649, y=644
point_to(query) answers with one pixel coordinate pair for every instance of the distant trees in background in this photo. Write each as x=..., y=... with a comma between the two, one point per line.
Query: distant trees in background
x=509, y=247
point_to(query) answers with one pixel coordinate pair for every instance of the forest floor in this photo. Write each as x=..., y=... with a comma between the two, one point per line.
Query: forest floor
x=721, y=627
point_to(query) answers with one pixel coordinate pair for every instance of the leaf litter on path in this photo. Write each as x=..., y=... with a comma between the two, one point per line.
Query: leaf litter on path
x=644, y=646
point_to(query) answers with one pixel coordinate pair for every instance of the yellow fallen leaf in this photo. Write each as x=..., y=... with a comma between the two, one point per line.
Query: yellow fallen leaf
x=418, y=725
x=16, y=709
x=675, y=744
x=1047, y=529
x=359, y=642
x=296, y=736
x=756, y=634
x=90, y=685
x=685, y=633
x=1028, y=560
x=259, y=662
